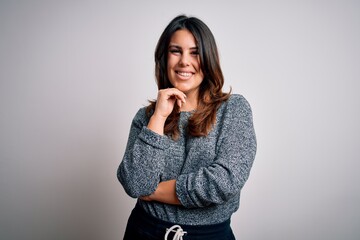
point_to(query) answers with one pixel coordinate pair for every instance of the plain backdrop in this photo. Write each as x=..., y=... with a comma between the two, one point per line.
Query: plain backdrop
x=74, y=73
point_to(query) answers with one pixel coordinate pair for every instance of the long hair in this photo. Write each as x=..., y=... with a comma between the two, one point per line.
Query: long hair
x=210, y=91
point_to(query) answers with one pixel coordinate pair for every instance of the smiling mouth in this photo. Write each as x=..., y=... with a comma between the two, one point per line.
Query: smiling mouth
x=184, y=74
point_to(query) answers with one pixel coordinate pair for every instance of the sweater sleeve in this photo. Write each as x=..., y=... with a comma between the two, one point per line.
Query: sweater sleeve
x=226, y=176
x=143, y=162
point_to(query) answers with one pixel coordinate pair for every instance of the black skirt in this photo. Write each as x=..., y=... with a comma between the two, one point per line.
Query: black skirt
x=142, y=226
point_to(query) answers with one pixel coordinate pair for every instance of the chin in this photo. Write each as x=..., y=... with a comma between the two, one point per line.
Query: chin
x=183, y=89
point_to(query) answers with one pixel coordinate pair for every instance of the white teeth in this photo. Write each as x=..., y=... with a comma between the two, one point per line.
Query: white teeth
x=184, y=74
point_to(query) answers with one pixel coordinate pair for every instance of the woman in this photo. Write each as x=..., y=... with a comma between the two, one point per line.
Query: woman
x=190, y=152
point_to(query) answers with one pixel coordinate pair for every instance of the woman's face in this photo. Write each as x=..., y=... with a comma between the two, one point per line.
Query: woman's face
x=183, y=64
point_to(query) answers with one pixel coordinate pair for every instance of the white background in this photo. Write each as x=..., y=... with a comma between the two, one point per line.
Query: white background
x=74, y=73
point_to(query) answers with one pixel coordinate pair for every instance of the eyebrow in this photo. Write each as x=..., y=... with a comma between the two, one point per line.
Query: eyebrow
x=178, y=47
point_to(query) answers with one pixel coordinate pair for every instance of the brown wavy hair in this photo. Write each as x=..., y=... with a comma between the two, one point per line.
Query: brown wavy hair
x=210, y=91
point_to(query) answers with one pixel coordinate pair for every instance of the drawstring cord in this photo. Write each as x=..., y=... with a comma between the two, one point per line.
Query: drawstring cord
x=179, y=233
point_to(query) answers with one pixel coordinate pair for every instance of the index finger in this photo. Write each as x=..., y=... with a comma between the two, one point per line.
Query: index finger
x=176, y=93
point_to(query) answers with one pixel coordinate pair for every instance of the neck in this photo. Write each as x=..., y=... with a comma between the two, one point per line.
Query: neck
x=191, y=103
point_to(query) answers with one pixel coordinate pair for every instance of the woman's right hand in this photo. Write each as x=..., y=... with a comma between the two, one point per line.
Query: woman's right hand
x=166, y=100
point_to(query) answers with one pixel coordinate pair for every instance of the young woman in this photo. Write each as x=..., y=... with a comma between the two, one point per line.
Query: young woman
x=190, y=152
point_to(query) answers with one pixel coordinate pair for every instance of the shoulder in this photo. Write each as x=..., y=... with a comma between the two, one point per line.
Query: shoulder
x=141, y=113
x=141, y=117
x=235, y=116
x=236, y=103
x=234, y=112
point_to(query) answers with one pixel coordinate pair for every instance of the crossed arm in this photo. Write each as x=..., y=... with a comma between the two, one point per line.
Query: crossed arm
x=165, y=193
x=144, y=161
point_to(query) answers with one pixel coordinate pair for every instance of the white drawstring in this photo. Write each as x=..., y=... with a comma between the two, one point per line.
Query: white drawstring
x=179, y=233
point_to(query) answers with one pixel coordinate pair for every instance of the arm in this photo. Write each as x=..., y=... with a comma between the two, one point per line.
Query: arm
x=225, y=178
x=165, y=193
x=143, y=161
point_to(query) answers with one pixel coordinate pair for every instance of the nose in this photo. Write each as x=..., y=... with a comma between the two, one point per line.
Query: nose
x=184, y=60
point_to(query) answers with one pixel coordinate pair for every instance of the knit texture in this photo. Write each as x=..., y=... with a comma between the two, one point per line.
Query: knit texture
x=209, y=171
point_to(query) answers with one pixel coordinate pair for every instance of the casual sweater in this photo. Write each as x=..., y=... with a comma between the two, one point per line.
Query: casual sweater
x=210, y=171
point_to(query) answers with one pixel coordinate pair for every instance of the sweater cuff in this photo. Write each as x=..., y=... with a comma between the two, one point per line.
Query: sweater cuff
x=153, y=139
x=182, y=193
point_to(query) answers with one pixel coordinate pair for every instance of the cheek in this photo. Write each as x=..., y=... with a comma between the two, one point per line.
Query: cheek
x=168, y=66
x=171, y=60
x=197, y=65
x=202, y=75
x=169, y=71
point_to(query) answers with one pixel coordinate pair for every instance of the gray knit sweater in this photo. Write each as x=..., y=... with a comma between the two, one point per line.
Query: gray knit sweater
x=209, y=171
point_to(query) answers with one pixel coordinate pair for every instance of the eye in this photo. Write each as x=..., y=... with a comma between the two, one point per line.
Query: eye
x=195, y=53
x=175, y=51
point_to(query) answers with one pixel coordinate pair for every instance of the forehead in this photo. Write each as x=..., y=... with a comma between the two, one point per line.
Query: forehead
x=183, y=38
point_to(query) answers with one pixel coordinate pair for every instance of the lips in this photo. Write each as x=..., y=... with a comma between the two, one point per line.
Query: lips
x=184, y=75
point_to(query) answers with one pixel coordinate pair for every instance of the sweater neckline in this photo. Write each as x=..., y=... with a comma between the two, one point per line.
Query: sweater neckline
x=187, y=112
